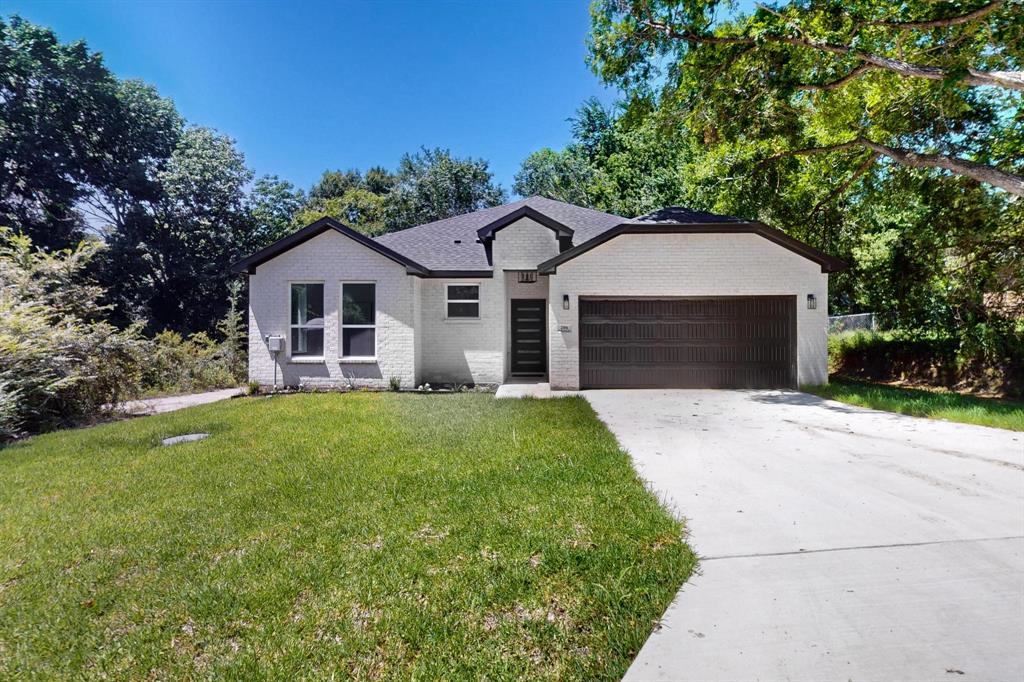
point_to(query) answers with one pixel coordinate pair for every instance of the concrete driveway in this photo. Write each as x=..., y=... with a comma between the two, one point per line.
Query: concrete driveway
x=838, y=543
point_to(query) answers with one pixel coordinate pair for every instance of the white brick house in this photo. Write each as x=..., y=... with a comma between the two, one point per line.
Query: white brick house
x=546, y=291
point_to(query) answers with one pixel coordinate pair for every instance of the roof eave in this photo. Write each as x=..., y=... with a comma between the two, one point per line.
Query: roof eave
x=248, y=265
x=488, y=230
x=827, y=262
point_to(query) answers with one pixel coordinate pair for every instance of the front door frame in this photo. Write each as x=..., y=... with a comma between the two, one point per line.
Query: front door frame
x=514, y=336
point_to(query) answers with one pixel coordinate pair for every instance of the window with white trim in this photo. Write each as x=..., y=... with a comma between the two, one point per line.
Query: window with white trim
x=358, y=320
x=463, y=301
x=307, y=319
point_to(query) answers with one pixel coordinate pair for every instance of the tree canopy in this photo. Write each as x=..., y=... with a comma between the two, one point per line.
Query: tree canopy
x=864, y=152
x=922, y=84
x=432, y=184
x=86, y=155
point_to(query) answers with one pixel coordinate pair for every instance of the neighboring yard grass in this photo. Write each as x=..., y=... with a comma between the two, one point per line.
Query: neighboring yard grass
x=1002, y=414
x=364, y=535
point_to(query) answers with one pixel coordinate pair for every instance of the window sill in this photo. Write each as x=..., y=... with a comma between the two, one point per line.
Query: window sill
x=358, y=361
x=306, y=360
x=462, y=319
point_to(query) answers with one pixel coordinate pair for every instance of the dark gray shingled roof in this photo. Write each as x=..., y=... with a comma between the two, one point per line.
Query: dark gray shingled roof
x=433, y=245
x=453, y=245
x=680, y=215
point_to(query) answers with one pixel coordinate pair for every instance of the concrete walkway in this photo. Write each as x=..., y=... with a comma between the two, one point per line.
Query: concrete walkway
x=838, y=543
x=524, y=389
x=175, y=402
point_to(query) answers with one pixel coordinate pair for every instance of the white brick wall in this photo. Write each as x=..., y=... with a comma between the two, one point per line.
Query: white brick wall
x=467, y=351
x=688, y=265
x=333, y=258
x=523, y=245
x=416, y=343
x=477, y=351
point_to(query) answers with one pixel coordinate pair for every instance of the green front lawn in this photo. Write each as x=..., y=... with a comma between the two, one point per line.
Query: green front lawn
x=1003, y=414
x=366, y=535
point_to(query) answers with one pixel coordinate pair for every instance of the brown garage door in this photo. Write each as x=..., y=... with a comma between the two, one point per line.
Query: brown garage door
x=741, y=342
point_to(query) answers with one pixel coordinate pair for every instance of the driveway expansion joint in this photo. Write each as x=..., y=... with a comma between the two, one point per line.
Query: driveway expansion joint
x=896, y=545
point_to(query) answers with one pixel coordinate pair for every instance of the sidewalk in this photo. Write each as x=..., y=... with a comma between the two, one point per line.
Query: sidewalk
x=176, y=402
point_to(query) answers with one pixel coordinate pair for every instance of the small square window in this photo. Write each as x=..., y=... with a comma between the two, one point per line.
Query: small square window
x=463, y=301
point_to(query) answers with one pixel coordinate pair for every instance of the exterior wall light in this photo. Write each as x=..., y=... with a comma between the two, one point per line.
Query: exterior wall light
x=565, y=301
x=812, y=302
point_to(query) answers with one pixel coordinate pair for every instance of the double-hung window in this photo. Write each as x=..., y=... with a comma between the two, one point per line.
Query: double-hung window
x=307, y=319
x=463, y=301
x=358, y=320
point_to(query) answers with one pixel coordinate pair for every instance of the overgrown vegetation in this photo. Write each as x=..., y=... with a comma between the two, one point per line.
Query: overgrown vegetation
x=61, y=362
x=363, y=535
x=993, y=364
x=1003, y=414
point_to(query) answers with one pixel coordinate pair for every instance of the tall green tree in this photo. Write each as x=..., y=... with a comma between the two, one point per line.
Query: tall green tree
x=351, y=197
x=170, y=266
x=334, y=183
x=432, y=184
x=620, y=164
x=920, y=84
x=79, y=148
x=273, y=206
x=560, y=175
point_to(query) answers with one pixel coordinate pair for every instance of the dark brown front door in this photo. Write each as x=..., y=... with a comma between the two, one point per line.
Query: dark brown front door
x=732, y=342
x=529, y=337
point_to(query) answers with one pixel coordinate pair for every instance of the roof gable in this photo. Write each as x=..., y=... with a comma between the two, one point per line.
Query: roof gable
x=527, y=211
x=456, y=245
x=730, y=226
x=249, y=264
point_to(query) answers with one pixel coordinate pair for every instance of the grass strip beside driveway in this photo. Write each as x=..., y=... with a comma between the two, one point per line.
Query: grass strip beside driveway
x=367, y=535
x=1003, y=414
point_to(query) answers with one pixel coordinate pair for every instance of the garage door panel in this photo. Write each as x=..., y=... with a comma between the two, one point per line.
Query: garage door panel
x=743, y=342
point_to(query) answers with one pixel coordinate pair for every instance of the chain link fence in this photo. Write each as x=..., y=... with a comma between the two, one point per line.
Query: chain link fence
x=848, y=323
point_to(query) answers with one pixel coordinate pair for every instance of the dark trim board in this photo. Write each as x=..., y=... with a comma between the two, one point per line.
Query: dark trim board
x=827, y=262
x=487, y=231
x=248, y=265
x=456, y=274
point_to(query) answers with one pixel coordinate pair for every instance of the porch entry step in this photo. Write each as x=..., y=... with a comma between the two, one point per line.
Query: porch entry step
x=524, y=390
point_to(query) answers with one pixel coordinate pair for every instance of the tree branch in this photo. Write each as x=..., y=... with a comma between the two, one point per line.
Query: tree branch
x=1014, y=184
x=809, y=151
x=840, y=82
x=938, y=23
x=1013, y=80
x=845, y=185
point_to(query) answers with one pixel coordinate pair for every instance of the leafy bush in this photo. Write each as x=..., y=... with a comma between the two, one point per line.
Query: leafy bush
x=181, y=365
x=59, y=364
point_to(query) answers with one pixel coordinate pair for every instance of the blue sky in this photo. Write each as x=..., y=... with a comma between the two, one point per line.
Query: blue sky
x=306, y=86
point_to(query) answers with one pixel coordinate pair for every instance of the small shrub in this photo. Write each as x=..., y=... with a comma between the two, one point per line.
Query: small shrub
x=253, y=387
x=395, y=384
